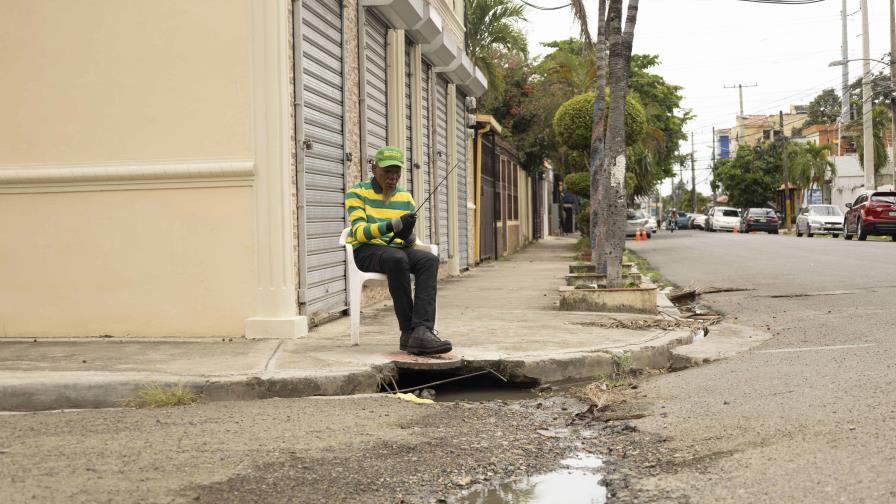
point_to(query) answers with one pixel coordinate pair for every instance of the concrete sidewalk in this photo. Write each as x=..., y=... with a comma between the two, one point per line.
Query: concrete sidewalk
x=501, y=315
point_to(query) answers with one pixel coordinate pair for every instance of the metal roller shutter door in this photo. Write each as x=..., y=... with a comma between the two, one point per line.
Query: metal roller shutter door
x=375, y=82
x=442, y=162
x=322, y=169
x=461, y=146
x=425, y=166
x=409, y=151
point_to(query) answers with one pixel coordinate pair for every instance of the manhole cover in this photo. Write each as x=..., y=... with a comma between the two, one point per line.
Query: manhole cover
x=404, y=360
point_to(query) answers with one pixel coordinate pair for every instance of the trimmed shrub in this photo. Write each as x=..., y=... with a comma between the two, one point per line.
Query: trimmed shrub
x=573, y=120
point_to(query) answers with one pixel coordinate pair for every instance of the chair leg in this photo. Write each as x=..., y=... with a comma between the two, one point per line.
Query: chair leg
x=354, y=308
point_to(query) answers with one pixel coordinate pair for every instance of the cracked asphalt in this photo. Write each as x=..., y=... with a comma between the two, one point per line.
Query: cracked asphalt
x=808, y=416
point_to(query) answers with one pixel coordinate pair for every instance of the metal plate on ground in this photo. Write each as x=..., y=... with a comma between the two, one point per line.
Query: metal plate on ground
x=404, y=360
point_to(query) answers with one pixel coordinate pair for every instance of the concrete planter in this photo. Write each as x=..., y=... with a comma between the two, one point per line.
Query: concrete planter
x=634, y=277
x=582, y=268
x=627, y=267
x=586, y=280
x=634, y=300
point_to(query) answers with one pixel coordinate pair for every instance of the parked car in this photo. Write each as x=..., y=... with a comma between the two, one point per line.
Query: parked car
x=760, y=219
x=697, y=221
x=635, y=220
x=723, y=218
x=819, y=219
x=682, y=220
x=872, y=214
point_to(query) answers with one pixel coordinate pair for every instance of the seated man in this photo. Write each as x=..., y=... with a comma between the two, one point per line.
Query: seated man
x=382, y=233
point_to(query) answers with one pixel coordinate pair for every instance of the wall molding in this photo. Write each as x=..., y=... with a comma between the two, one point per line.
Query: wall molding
x=126, y=176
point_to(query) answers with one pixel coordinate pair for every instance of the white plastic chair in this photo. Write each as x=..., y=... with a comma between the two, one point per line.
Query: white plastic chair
x=356, y=279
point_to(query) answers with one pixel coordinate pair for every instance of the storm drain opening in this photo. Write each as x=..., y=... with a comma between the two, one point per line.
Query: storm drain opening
x=459, y=385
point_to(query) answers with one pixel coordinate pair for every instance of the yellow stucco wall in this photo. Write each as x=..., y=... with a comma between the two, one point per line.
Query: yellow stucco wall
x=174, y=262
x=93, y=82
x=100, y=80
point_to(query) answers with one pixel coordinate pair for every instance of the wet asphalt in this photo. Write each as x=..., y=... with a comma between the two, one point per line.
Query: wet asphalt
x=808, y=416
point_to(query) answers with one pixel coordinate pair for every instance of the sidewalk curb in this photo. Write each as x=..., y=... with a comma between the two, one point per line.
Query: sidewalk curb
x=85, y=392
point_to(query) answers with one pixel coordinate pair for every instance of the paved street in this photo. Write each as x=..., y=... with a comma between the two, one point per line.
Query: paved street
x=809, y=415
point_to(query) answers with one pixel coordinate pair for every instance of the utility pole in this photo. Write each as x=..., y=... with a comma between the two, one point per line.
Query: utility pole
x=713, y=168
x=893, y=81
x=693, y=178
x=845, y=112
x=787, y=203
x=740, y=92
x=867, y=125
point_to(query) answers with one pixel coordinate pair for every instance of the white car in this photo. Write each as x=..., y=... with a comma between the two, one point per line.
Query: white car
x=651, y=225
x=722, y=219
x=819, y=219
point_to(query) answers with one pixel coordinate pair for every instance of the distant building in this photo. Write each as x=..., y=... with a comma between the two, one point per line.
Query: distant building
x=722, y=144
x=752, y=130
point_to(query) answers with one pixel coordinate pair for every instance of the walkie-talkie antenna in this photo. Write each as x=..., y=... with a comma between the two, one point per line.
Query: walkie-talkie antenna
x=436, y=188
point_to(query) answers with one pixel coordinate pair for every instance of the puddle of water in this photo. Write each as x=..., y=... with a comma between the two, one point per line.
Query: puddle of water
x=578, y=483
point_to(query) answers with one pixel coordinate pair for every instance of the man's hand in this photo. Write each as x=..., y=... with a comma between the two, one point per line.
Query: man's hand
x=403, y=226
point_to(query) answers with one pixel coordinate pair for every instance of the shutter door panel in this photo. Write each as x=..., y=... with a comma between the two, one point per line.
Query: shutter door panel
x=409, y=151
x=461, y=132
x=426, y=167
x=323, y=164
x=442, y=162
x=375, y=54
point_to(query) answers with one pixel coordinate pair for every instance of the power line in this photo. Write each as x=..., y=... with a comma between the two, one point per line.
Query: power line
x=545, y=8
x=784, y=2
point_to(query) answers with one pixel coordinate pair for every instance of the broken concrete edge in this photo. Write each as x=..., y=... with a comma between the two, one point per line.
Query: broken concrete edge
x=725, y=340
x=674, y=352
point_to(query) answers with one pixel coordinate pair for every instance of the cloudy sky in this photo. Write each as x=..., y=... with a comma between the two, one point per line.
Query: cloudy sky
x=705, y=45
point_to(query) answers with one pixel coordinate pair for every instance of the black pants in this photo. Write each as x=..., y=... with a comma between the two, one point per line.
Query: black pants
x=398, y=264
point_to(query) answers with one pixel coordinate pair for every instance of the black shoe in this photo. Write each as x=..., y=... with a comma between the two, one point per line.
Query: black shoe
x=423, y=341
x=403, y=341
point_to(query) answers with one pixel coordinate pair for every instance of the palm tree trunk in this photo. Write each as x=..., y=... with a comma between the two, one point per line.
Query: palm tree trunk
x=598, y=143
x=610, y=236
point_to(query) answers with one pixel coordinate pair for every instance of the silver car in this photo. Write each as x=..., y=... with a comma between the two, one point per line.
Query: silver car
x=635, y=220
x=819, y=219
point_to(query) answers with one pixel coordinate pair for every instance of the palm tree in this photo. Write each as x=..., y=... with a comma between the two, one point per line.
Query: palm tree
x=608, y=150
x=820, y=166
x=491, y=29
x=809, y=164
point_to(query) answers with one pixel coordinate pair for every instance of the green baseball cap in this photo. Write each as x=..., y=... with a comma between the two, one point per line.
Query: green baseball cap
x=389, y=156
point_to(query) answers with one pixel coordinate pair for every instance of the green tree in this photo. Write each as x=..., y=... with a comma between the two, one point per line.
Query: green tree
x=881, y=88
x=492, y=30
x=752, y=176
x=824, y=108
x=880, y=123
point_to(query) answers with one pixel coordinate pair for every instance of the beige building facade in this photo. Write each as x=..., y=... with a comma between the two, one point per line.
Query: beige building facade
x=162, y=175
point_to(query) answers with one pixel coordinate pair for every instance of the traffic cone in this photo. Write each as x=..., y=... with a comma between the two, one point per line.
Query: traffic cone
x=736, y=230
x=638, y=235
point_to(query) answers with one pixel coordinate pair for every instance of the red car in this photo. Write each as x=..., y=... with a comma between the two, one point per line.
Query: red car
x=873, y=213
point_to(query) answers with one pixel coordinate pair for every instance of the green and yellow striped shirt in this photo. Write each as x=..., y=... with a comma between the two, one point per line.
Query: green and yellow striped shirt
x=370, y=214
